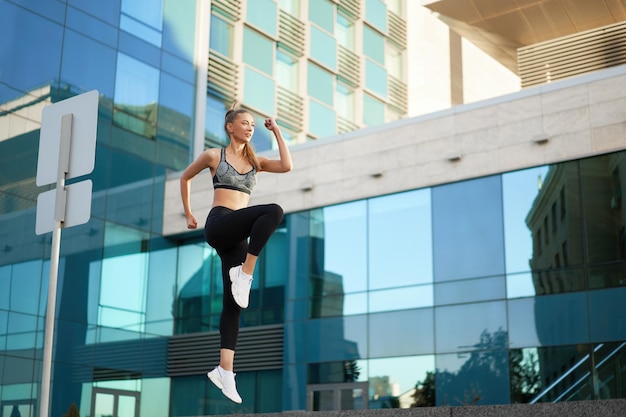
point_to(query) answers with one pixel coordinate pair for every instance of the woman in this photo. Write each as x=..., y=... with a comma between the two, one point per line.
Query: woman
x=231, y=222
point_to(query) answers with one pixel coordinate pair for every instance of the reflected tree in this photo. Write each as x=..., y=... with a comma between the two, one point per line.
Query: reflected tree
x=483, y=377
x=525, y=378
x=424, y=395
x=351, y=371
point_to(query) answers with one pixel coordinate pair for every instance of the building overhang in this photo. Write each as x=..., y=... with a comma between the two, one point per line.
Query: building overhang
x=500, y=27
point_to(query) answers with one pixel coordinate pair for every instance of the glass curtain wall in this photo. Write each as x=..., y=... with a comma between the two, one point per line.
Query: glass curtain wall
x=114, y=307
x=494, y=290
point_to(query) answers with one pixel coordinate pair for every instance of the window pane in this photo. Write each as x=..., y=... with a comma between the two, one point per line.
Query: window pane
x=24, y=71
x=375, y=78
x=323, y=48
x=401, y=333
x=401, y=298
x=476, y=378
x=604, y=179
x=161, y=280
x=519, y=191
x=320, y=84
x=175, y=117
x=322, y=121
x=322, y=12
x=470, y=327
x=344, y=101
x=179, y=34
x=376, y=14
x=136, y=95
x=342, y=237
x=405, y=220
x=214, y=122
x=392, y=377
x=286, y=71
x=88, y=64
x=394, y=62
x=263, y=15
x=337, y=339
x=373, y=45
x=373, y=111
x=290, y=6
x=336, y=305
x=467, y=228
x=26, y=286
x=550, y=320
x=470, y=290
x=607, y=314
x=550, y=374
x=150, y=12
x=345, y=32
x=221, y=36
x=259, y=92
x=258, y=50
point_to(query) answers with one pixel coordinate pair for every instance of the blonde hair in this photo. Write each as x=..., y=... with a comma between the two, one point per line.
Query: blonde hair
x=248, y=150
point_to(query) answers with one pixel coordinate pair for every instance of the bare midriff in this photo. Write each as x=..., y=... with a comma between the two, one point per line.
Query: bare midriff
x=231, y=199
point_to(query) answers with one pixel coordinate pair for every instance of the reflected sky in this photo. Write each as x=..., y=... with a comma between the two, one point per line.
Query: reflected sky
x=519, y=190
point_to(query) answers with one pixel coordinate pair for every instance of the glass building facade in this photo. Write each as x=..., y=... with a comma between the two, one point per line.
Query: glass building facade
x=501, y=289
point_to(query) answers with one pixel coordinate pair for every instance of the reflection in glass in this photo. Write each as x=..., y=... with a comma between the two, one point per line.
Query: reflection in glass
x=338, y=305
x=104, y=405
x=400, y=240
x=391, y=380
x=334, y=339
x=143, y=18
x=401, y=333
x=551, y=374
x=470, y=326
x=468, y=240
x=338, y=237
x=336, y=372
x=603, y=180
x=520, y=285
x=519, y=190
x=551, y=320
x=607, y=314
x=401, y=298
x=475, y=378
x=136, y=96
x=456, y=292
x=214, y=129
x=554, y=223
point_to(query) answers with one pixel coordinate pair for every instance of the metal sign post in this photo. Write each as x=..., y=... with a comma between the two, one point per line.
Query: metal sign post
x=59, y=218
x=76, y=120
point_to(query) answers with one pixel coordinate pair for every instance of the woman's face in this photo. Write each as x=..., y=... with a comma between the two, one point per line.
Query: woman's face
x=242, y=127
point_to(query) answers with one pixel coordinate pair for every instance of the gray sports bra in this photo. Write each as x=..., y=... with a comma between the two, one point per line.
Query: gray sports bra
x=226, y=176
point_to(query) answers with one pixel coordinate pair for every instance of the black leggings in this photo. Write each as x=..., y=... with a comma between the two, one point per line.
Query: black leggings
x=227, y=231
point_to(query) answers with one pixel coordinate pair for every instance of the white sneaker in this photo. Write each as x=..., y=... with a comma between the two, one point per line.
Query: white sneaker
x=226, y=383
x=240, y=286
